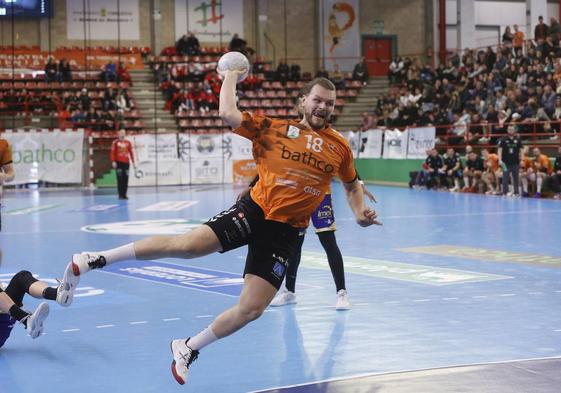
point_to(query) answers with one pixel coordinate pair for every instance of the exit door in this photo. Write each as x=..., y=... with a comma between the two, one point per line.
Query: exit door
x=378, y=55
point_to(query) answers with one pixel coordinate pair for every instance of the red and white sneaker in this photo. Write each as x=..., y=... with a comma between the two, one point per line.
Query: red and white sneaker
x=183, y=356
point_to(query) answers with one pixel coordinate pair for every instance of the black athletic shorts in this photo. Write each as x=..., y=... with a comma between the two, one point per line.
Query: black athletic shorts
x=271, y=244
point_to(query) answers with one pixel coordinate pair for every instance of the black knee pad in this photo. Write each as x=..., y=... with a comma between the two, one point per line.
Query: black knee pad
x=24, y=279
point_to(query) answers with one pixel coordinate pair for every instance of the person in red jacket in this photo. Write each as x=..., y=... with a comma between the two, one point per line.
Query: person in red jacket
x=121, y=155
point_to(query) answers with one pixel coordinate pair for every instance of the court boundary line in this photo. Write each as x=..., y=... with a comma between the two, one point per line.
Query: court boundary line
x=365, y=375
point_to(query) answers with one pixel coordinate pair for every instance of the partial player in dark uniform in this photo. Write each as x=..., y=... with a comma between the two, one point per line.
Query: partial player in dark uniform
x=452, y=169
x=472, y=173
x=11, y=303
x=509, y=151
x=434, y=169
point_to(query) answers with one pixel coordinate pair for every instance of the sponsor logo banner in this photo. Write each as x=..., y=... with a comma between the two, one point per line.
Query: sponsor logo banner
x=401, y=271
x=48, y=156
x=145, y=227
x=420, y=140
x=484, y=254
x=191, y=277
x=395, y=144
x=370, y=144
x=339, y=33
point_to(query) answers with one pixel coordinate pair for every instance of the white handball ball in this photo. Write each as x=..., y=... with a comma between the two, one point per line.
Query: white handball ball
x=233, y=61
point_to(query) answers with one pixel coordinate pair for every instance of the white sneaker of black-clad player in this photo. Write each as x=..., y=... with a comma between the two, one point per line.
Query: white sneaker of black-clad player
x=343, y=303
x=283, y=297
x=35, y=320
x=65, y=292
x=183, y=356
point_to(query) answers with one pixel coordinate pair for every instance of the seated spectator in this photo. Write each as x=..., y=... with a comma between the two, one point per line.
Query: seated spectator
x=109, y=73
x=51, y=71
x=283, y=72
x=109, y=101
x=237, y=44
x=122, y=101
x=85, y=101
x=360, y=71
x=123, y=74
x=368, y=122
x=192, y=46
x=64, y=115
x=294, y=72
x=322, y=73
x=64, y=71
x=338, y=78
x=93, y=119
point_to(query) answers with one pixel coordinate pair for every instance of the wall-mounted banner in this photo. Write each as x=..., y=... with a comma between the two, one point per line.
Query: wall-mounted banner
x=370, y=144
x=340, y=39
x=395, y=144
x=420, y=139
x=209, y=20
x=104, y=20
x=52, y=156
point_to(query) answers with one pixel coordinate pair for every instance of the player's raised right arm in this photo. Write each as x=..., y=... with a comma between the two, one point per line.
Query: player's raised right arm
x=228, y=110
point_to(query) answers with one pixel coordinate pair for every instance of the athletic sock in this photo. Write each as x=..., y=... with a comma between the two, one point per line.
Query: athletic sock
x=539, y=182
x=19, y=314
x=201, y=340
x=49, y=293
x=122, y=253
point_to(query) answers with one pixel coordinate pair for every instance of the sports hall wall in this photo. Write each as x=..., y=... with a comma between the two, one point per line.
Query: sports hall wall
x=290, y=26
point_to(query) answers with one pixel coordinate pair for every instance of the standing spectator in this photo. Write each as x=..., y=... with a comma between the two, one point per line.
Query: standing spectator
x=295, y=72
x=518, y=40
x=6, y=167
x=554, y=29
x=192, y=45
x=237, y=44
x=541, y=31
x=181, y=45
x=510, y=153
x=360, y=72
x=84, y=100
x=64, y=71
x=121, y=156
x=322, y=73
x=508, y=37
x=51, y=71
x=554, y=181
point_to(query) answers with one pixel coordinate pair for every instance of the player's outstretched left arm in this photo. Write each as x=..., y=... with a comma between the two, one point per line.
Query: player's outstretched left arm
x=364, y=215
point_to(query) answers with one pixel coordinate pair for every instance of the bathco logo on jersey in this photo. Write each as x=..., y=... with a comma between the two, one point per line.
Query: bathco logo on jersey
x=307, y=158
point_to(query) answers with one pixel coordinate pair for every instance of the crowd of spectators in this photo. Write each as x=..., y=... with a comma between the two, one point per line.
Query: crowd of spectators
x=478, y=92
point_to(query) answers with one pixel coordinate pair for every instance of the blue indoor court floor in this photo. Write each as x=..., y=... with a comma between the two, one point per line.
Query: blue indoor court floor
x=454, y=293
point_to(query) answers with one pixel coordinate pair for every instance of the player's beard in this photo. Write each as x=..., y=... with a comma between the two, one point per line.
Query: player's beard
x=316, y=122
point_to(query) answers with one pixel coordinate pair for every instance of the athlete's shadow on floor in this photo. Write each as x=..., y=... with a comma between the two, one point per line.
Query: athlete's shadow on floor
x=297, y=361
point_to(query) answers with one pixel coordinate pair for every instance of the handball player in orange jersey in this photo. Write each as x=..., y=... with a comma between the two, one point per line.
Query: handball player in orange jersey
x=296, y=162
